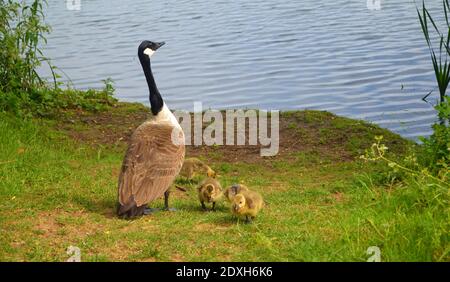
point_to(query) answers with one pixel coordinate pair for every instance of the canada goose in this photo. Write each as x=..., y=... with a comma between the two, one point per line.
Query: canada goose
x=192, y=166
x=209, y=191
x=155, y=153
x=233, y=190
x=248, y=204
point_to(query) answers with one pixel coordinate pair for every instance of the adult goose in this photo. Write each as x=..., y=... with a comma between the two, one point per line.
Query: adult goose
x=155, y=153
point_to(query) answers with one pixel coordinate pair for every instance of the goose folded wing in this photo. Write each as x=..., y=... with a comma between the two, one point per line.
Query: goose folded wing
x=151, y=164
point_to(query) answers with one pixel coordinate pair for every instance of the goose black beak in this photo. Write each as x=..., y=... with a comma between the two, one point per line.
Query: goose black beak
x=158, y=45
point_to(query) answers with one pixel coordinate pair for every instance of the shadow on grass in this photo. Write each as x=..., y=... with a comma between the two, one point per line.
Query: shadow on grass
x=197, y=208
x=226, y=219
x=192, y=183
x=105, y=207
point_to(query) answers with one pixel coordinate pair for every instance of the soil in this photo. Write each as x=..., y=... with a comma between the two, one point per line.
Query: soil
x=321, y=134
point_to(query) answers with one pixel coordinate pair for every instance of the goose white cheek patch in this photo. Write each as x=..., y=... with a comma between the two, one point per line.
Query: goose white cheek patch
x=149, y=52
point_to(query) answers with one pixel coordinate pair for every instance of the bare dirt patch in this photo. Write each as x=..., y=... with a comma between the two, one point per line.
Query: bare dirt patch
x=64, y=223
x=321, y=134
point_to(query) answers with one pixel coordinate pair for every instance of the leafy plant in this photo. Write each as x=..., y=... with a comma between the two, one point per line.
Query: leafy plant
x=437, y=147
x=436, y=154
x=410, y=164
x=46, y=102
x=22, y=91
x=440, y=63
x=22, y=28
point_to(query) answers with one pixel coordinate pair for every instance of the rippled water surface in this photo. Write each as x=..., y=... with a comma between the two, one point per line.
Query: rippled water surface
x=333, y=55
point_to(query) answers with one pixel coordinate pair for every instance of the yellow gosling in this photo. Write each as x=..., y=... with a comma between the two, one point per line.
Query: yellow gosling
x=248, y=204
x=209, y=191
x=194, y=166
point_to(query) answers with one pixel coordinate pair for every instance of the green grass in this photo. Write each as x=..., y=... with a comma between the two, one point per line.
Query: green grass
x=55, y=192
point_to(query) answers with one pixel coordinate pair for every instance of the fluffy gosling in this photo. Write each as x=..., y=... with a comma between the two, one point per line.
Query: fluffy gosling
x=209, y=191
x=233, y=191
x=193, y=166
x=248, y=204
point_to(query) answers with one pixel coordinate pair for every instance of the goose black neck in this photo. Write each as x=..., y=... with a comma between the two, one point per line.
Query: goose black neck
x=156, y=100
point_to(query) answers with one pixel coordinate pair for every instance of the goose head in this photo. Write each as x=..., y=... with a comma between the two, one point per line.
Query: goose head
x=148, y=48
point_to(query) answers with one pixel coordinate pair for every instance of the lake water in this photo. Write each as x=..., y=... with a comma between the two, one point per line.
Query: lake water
x=336, y=55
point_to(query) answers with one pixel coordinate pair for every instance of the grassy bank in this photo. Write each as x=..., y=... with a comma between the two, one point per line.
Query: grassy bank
x=58, y=182
x=61, y=151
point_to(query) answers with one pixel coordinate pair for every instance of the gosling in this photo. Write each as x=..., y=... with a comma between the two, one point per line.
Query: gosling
x=248, y=204
x=193, y=166
x=209, y=191
x=233, y=191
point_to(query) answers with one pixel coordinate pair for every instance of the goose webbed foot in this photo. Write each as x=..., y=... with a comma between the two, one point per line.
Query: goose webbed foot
x=170, y=209
x=148, y=211
x=248, y=220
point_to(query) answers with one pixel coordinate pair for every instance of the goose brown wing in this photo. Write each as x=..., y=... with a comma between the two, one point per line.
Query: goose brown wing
x=151, y=163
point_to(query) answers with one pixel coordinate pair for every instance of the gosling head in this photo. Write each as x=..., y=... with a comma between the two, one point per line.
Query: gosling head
x=212, y=192
x=232, y=191
x=234, y=188
x=238, y=202
x=148, y=48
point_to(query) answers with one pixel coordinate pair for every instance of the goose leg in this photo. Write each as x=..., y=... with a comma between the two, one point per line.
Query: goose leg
x=247, y=219
x=213, y=206
x=166, y=202
x=203, y=206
